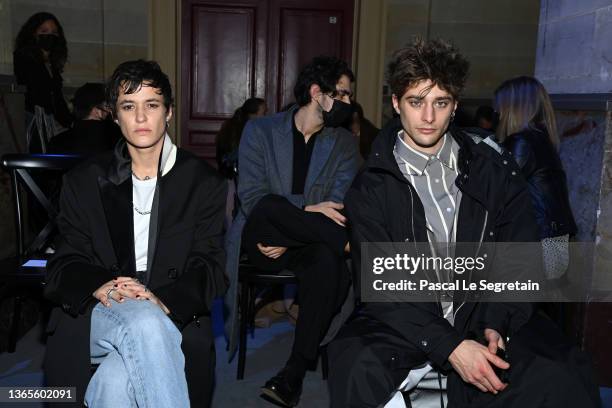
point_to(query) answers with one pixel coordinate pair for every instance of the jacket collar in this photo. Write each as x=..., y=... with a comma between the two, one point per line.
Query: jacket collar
x=283, y=151
x=382, y=148
x=120, y=168
x=417, y=161
x=116, y=195
x=471, y=145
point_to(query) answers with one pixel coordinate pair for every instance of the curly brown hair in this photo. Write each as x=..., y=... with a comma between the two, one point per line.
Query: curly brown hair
x=437, y=60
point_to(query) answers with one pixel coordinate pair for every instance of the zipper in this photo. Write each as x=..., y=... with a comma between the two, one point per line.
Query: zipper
x=484, y=227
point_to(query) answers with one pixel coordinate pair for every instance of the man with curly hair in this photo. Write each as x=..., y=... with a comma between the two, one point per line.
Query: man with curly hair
x=428, y=182
x=293, y=171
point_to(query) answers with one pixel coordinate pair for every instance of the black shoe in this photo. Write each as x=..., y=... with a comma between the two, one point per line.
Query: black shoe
x=280, y=389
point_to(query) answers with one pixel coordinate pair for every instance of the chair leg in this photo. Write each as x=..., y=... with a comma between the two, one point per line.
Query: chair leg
x=252, y=296
x=324, y=362
x=244, y=320
x=14, y=330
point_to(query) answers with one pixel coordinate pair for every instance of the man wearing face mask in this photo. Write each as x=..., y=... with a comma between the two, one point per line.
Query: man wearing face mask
x=294, y=169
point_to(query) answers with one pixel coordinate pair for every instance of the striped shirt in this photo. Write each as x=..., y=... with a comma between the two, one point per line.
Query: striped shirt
x=433, y=178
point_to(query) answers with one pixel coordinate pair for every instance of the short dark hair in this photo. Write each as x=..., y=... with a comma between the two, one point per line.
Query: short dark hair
x=323, y=71
x=89, y=96
x=132, y=75
x=436, y=60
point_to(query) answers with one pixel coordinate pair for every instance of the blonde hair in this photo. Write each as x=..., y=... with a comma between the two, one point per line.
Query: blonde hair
x=523, y=103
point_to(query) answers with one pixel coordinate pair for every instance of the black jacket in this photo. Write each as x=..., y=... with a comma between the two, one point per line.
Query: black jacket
x=547, y=184
x=86, y=138
x=96, y=244
x=383, y=206
x=42, y=88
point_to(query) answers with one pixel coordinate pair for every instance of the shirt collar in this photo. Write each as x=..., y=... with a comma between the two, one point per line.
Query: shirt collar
x=417, y=161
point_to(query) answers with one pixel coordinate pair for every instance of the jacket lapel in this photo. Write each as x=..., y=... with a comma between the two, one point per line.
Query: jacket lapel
x=117, y=203
x=283, y=151
x=320, y=154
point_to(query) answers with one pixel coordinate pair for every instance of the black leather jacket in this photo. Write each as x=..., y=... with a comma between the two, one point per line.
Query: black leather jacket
x=541, y=166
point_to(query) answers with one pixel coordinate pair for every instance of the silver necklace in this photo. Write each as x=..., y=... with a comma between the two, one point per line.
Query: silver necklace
x=140, y=211
x=141, y=179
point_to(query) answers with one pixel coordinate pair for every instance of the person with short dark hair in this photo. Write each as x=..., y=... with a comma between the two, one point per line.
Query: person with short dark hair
x=428, y=182
x=294, y=169
x=139, y=261
x=92, y=131
x=228, y=138
x=38, y=62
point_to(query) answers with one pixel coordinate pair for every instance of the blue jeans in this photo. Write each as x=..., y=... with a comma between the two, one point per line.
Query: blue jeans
x=141, y=361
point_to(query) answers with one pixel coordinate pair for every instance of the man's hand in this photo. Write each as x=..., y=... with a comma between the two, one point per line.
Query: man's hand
x=273, y=252
x=494, y=340
x=122, y=287
x=472, y=361
x=330, y=210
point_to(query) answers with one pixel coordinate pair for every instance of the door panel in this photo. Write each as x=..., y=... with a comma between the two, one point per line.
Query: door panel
x=305, y=34
x=223, y=63
x=236, y=49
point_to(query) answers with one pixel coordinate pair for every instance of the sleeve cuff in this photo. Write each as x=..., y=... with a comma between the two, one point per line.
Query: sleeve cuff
x=438, y=353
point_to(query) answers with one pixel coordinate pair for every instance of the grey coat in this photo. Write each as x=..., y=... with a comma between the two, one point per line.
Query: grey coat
x=265, y=158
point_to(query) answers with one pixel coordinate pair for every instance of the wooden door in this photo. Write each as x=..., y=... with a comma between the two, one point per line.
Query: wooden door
x=235, y=49
x=223, y=63
x=299, y=31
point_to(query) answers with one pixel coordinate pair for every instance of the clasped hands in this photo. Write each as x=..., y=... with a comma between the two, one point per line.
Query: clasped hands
x=124, y=287
x=472, y=361
x=328, y=208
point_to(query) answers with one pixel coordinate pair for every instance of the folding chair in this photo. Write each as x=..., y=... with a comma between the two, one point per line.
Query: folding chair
x=23, y=274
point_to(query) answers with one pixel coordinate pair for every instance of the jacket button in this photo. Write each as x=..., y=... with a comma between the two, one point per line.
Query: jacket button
x=491, y=233
x=505, y=161
x=514, y=173
x=424, y=343
x=172, y=274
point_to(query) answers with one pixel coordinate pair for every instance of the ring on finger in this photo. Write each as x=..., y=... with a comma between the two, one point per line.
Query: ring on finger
x=109, y=293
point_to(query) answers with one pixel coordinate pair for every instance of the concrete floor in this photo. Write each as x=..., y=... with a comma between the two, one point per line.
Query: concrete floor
x=266, y=354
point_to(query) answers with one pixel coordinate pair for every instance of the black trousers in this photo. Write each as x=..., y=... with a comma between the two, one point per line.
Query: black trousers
x=368, y=360
x=315, y=254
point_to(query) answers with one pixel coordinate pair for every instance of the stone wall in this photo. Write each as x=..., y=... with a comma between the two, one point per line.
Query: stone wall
x=573, y=52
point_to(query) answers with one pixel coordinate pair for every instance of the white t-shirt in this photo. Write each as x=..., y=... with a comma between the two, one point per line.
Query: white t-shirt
x=142, y=201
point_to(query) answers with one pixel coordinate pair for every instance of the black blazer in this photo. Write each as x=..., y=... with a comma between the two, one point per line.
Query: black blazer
x=96, y=244
x=42, y=88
